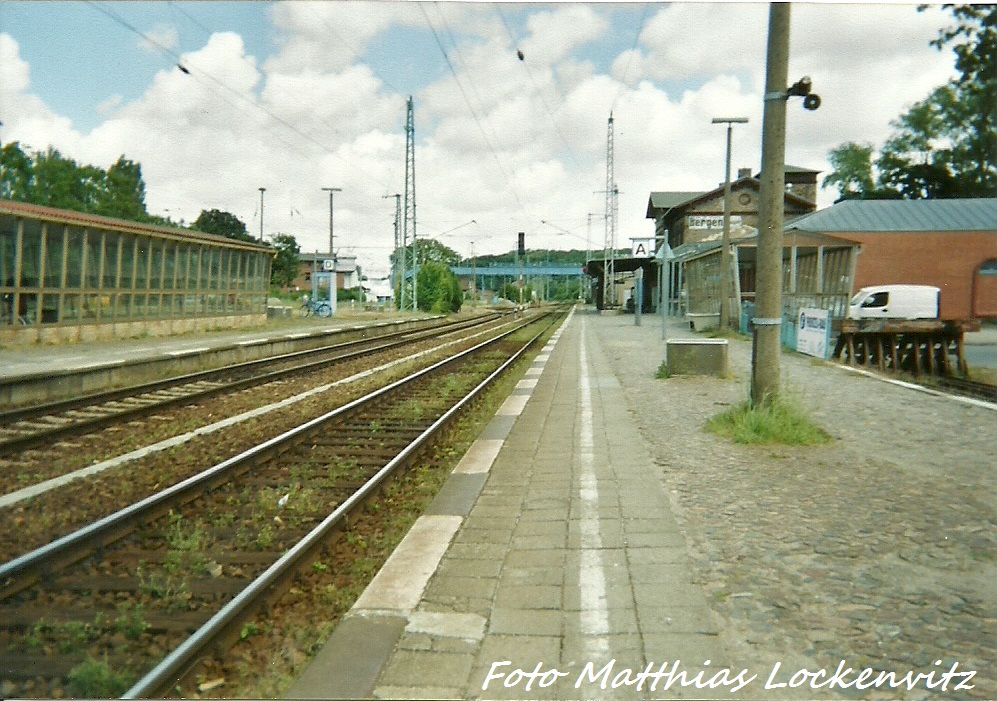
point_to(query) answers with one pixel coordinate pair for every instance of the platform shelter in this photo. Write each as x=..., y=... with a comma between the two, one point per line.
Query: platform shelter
x=72, y=276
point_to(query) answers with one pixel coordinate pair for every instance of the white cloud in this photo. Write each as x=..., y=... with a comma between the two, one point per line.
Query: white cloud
x=314, y=115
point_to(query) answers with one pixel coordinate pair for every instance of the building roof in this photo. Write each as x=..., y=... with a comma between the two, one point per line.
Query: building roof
x=977, y=214
x=669, y=200
x=73, y=218
x=661, y=202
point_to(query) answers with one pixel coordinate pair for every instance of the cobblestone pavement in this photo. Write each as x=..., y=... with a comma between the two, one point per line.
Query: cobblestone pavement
x=877, y=549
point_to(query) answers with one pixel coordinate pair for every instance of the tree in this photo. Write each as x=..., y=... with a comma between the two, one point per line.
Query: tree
x=221, y=223
x=438, y=289
x=944, y=145
x=852, y=174
x=974, y=42
x=429, y=251
x=50, y=179
x=124, y=191
x=285, y=265
x=15, y=173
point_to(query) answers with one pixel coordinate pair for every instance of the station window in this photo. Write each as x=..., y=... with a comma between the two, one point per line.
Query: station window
x=112, y=243
x=94, y=258
x=54, y=251
x=127, y=279
x=31, y=250
x=75, y=254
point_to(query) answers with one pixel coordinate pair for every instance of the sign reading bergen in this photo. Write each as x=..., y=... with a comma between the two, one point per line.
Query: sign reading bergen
x=710, y=221
x=813, y=332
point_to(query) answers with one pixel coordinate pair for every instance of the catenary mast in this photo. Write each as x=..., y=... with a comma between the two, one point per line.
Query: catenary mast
x=609, y=247
x=409, y=223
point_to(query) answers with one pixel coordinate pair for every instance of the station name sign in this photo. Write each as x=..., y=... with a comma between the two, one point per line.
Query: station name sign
x=710, y=222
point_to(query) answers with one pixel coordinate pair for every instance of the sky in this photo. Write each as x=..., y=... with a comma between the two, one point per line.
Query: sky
x=299, y=96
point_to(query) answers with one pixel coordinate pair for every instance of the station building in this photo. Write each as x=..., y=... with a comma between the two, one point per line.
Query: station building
x=70, y=276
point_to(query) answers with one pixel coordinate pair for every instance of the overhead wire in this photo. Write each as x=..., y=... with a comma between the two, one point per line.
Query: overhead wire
x=200, y=73
x=539, y=93
x=630, y=55
x=491, y=148
x=202, y=76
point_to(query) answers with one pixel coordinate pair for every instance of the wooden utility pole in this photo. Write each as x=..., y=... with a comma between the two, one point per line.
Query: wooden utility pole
x=768, y=300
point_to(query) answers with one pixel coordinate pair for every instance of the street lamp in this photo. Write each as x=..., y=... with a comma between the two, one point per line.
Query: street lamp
x=262, y=190
x=332, y=237
x=725, y=271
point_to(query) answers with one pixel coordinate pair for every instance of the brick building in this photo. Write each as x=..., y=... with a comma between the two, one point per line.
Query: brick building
x=693, y=217
x=951, y=244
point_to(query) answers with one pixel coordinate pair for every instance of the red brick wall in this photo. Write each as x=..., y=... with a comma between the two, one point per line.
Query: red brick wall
x=948, y=260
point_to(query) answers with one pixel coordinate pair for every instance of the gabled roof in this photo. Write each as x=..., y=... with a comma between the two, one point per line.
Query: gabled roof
x=976, y=214
x=673, y=200
x=670, y=200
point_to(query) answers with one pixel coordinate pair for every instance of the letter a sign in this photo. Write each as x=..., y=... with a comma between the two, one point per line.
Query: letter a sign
x=641, y=248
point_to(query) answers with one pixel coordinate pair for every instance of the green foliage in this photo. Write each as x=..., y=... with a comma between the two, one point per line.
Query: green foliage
x=130, y=621
x=92, y=679
x=779, y=421
x=220, y=223
x=48, y=178
x=355, y=294
x=946, y=144
x=438, y=289
x=510, y=291
x=428, y=251
x=286, y=265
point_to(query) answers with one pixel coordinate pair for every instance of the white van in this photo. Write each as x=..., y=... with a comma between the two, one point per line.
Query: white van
x=895, y=302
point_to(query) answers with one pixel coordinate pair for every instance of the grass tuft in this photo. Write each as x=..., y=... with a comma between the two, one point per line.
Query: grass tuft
x=781, y=421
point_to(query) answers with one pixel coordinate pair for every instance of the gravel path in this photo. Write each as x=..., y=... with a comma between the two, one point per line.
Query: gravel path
x=878, y=548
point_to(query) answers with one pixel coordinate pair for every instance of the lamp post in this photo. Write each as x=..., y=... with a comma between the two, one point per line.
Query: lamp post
x=262, y=190
x=725, y=271
x=332, y=232
x=474, y=274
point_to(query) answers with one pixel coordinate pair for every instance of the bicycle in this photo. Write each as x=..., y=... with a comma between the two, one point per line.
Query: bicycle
x=310, y=307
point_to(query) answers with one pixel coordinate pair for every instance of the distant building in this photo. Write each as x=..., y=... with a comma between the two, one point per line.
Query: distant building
x=348, y=273
x=951, y=244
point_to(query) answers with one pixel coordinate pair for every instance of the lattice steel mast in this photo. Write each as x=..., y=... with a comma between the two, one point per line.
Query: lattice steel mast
x=609, y=247
x=409, y=222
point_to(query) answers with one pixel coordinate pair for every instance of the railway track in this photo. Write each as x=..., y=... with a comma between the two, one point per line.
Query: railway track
x=137, y=596
x=27, y=427
x=968, y=388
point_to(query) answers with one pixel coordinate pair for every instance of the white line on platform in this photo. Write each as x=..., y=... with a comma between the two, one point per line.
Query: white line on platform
x=399, y=584
x=480, y=456
x=297, y=335
x=251, y=341
x=592, y=578
x=513, y=405
x=100, y=364
x=187, y=351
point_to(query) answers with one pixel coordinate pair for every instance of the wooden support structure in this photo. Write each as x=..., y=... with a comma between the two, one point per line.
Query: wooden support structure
x=919, y=347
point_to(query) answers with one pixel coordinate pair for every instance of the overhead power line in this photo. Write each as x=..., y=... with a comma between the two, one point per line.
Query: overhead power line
x=199, y=74
x=470, y=107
